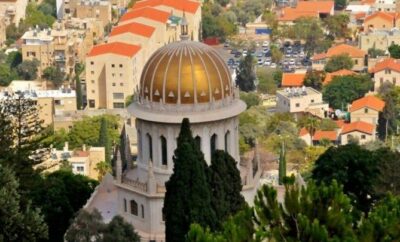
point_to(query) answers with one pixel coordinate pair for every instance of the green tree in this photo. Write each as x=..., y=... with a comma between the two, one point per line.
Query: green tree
x=187, y=199
x=389, y=118
x=34, y=17
x=310, y=31
x=394, y=51
x=327, y=124
x=103, y=168
x=276, y=54
x=6, y=75
x=266, y=82
x=226, y=185
x=18, y=221
x=314, y=79
x=383, y=222
x=313, y=213
x=14, y=59
x=343, y=90
x=282, y=164
x=353, y=167
x=104, y=140
x=246, y=75
x=55, y=75
x=340, y=4
x=121, y=231
x=86, y=227
x=79, y=95
x=339, y=62
x=374, y=52
x=251, y=99
x=388, y=180
x=336, y=25
x=27, y=70
x=60, y=195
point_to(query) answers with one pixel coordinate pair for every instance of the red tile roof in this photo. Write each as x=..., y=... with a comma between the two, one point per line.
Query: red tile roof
x=352, y=51
x=359, y=15
x=146, y=12
x=134, y=28
x=388, y=63
x=303, y=131
x=343, y=72
x=306, y=9
x=293, y=79
x=368, y=102
x=117, y=48
x=320, y=134
x=358, y=126
x=383, y=15
x=182, y=5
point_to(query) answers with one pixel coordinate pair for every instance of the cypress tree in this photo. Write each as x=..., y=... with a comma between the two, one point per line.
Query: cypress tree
x=104, y=140
x=79, y=98
x=187, y=199
x=225, y=184
x=282, y=165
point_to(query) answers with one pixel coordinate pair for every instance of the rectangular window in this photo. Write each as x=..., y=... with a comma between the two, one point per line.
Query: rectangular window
x=112, y=65
x=118, y=95
x=394, y=80
x=121, y=84
x=92, y=103
x=80, y=168
x=92, y=72
x=120, y=65
x=92, y=63
x=118, y=105
x=312, y=100
x=57, y=102
x=297, y=105
x=125, y=206
x=363, y=136
x=356, y=62
x=366, y=110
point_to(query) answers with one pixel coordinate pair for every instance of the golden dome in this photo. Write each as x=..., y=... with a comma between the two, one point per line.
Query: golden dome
x=185, y=72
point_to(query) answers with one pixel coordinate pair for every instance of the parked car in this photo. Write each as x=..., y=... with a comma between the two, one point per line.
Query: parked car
x=260, y=54
x=265, y=44
x=273, y=65
x=231, y=61
x=238, y=54
x=260, y=62
x=226, y=44
x=267, y=62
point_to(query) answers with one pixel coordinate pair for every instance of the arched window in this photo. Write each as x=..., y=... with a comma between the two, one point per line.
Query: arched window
x=134, y=207
x=150, y=144
x=142, y=208
x=213, y=144
x=125, y=206
x=227, y=140
x=197, y=139
x=164, y=153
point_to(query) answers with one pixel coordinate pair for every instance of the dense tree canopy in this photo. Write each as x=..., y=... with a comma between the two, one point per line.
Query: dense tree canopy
x=337, y=25
x=343, y=90
x=246, y=75
x=27, y=70
x=389, y=118
x=251, y=99
x=314, y=79
x=394, y=51
x=54, y=74
x=339, y=62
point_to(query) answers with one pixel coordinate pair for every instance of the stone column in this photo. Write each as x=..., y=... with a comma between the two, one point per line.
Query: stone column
x=205, y=144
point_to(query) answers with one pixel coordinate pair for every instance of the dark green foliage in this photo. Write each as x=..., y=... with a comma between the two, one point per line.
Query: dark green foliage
x=54, y=74
x=14, y=59
x=282, y=164
x=79, y=95
x=352, y=166
x=389, y=172
x=343, y=90
x=60, y=195
x=225, y=183
x=394, y=51
x=389, y=117
x=251, y=99
x=104, y=140
x=337, y=25
x=18, y=220
x=6, y=75
x=246, y=75
x=312, y=213
x=374, y=53
x=121, y=231
x=314, y=79
x=27, y=70
x=339, y=62
x=188, y=196
x=88, y=226
x=383, y=222
x=340, y=4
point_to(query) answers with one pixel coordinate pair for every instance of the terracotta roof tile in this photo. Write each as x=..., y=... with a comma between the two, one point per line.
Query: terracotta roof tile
x=293, y=79
x=369, y=102
x=321, y=134
x=359, y=15
x=182, y=5
x=340, y=123
x=134, y=28
x=358, y=126
x=117, y=48
x=388, y=63
x=352, y=51
x=146, y=12
x=306, y=9
x=383, y=15
x=319, y=56
x=291, y=14
x=343, y=72
x=303, y=131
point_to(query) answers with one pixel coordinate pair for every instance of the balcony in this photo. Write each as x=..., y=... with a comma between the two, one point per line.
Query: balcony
x=59, y=58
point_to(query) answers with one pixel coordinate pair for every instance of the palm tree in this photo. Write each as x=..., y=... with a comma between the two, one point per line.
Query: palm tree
x=102, y=168
x=312, y=124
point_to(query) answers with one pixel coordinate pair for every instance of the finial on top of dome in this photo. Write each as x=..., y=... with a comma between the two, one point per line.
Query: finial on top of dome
x=184, y=27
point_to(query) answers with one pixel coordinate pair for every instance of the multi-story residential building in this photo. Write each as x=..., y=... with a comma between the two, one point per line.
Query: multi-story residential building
x=380, y=21
x=112, y=74
x=58, y=46
x=384, y=5
x=50, y=102
x=357, y=55
x=139, y=34
x=301, y=100
x=13, y=10
x=386, y=70
x=3, y=27
x=98, y=9
x=379, y=39
x=82, y=161
x=366, y=109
